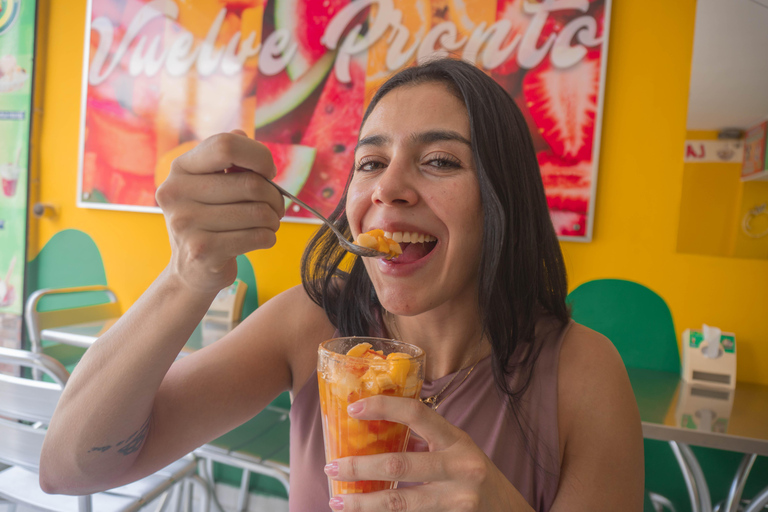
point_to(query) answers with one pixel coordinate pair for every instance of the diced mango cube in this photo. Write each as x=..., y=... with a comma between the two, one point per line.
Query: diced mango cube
x=375, y=239
x=385, y=381
x=366, y=240
x=398, y=368
x=359, y=350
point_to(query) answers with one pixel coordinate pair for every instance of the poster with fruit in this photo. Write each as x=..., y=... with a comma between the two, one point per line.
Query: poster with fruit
x=17, y=48
x=161, y=75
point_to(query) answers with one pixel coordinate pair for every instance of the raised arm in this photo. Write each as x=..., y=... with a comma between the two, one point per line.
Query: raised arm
x=120, y=416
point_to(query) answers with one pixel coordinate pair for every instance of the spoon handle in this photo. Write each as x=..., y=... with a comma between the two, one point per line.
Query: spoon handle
x=307, y=207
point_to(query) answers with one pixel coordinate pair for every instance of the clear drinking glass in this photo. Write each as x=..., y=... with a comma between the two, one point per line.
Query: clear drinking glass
x=390, y=368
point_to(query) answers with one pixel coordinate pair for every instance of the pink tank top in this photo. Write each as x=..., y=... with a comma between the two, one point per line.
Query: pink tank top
x=476, y=407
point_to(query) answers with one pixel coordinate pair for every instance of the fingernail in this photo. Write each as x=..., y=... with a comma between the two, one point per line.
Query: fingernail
x=336, y=503
x=332, y=469
x=355, y=408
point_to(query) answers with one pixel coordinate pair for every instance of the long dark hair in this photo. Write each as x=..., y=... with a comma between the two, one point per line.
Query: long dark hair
x=522, y=274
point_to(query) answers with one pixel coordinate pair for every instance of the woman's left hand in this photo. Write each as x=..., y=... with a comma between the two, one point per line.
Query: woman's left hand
x=457, y=475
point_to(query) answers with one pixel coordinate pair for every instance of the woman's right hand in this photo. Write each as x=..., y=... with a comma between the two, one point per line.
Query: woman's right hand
x=214, y=214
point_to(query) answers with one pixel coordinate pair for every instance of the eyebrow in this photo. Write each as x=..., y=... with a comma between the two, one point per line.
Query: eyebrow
x=420, y=138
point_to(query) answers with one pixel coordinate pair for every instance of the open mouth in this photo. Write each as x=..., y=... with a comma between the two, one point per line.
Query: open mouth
x=414, y=245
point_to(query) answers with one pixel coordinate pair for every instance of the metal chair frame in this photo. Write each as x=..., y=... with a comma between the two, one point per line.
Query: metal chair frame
x=38, y=320
x=26, y=406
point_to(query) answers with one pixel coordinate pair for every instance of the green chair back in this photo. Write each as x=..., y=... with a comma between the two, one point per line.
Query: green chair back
x=69, y=259
x=635, y=318
x=245, y=274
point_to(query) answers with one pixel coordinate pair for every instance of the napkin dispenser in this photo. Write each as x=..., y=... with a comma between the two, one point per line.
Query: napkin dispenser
x=704, y=408
x=709, y=357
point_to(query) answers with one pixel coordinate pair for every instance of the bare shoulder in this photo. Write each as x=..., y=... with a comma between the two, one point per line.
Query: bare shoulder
x=597, y=419
x=590, y=372
x=587, y=358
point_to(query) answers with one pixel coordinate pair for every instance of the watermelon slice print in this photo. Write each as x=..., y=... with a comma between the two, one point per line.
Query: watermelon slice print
x=293, y=163
x=306, y=21
x=333, y=131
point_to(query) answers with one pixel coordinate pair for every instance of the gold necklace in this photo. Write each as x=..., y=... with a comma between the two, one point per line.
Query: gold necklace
x=432, y=400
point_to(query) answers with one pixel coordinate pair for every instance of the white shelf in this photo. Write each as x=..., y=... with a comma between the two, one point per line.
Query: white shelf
x=760, y=176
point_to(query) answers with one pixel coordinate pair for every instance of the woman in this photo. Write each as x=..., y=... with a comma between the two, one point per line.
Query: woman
x=529, y=411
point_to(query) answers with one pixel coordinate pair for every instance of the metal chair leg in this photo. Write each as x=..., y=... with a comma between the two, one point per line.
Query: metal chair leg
x=690, y=481
x=758, y=502
x=166, y=499
x=660, y=502
x=242, y=497
x=84, y=504
x=698, y=475
x=737, y=485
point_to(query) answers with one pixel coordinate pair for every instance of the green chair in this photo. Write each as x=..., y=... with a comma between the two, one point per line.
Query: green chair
x=628, y=314
x=66, y=285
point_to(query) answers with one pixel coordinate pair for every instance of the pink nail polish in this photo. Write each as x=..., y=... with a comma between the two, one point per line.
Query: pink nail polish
x=332, y=468
x=336, y=503
x=355, y=408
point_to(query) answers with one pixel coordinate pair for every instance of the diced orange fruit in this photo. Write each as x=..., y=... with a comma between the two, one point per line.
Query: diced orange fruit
x=359, y=350
x=398, y=368
x=375, y=239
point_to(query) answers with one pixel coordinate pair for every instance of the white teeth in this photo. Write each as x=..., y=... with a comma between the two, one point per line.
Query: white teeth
x=409, y=237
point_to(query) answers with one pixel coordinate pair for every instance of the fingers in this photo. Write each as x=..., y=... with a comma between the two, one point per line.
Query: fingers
x=423, y=499
x=221, y=188
x=226, y=217
x=433, y=428
x=223, y=151
x=391, y=467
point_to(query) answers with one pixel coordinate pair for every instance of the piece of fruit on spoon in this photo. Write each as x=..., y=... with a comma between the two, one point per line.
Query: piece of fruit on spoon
x=375, y=239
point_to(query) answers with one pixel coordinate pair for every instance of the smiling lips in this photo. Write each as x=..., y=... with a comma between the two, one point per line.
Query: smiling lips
x=401, y=246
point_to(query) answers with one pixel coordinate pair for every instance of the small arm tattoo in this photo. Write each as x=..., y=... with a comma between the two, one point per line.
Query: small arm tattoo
x=129, y=445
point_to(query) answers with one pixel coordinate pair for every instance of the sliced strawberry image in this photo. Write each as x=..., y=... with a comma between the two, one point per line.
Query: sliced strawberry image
x=563, y=103
x=567, y=185
x=569, y=223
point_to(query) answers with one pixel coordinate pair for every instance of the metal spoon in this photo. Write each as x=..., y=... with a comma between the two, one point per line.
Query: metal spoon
x=345, y=244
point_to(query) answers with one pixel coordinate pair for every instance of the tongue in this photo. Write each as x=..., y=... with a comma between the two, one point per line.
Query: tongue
x=413, y=252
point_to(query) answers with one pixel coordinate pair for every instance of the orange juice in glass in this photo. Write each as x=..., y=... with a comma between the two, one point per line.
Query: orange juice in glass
x=352, y=368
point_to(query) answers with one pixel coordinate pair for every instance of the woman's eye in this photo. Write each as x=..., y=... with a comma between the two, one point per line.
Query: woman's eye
x=444, y=163
x=368, y=165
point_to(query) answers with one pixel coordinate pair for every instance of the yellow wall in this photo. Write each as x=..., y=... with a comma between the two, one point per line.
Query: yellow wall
x=638, y=195
x=708, y=205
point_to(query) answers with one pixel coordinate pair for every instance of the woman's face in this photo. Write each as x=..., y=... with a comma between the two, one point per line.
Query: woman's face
x=415, y=173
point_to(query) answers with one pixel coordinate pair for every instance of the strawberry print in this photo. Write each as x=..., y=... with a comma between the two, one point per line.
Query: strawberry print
x=563, y=103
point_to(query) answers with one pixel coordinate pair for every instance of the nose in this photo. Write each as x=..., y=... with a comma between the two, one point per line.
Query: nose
x=395, y=185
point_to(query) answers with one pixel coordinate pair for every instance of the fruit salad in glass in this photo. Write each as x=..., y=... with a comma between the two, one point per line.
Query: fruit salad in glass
x=352, y=368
